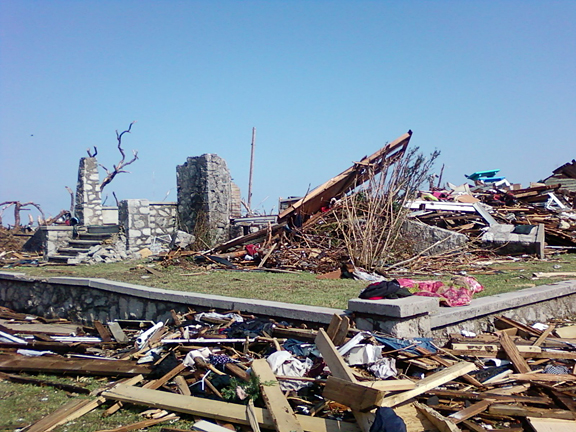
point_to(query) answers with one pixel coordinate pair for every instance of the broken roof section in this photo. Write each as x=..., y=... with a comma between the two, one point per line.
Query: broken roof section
x=348, y=180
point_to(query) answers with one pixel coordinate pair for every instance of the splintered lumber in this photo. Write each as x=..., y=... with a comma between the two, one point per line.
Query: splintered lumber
x=521, y=411
x=338, y=329
x=496, y=395
x=544, y=335
x=513, y=354
x=206, y=426
x=102, y=331
x=27, y=380
x=280, y=410
x=354, y=395
x=154, y=384
x=348, y=179
x=471, y=411
x=543, y=377
x=430, y=382
x=72, y=410
x=252, y=416
x=340, y=369
x=218, y=410
x=551, y=425
x=390, y=385
x=142, y=424
x=75, y=366
x=443, y=362
x=437, y=419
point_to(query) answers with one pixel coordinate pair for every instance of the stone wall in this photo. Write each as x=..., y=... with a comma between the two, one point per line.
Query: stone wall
x=85, y=300
x=48, y=239
x=88, y=208
x=204, y=198
x=147, y=224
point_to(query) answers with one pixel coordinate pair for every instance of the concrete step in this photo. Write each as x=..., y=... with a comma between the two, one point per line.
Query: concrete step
x=93, y=236
x=103, y=229
x=72, y=250
x=60, y=257
x=83, y=243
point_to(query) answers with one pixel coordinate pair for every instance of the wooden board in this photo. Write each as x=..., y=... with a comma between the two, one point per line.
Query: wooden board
x=340, y=369
x=280, y=410
x=521, y=411
x=471, y=411
x=208, y=408
x=513, y=354
x=75, y=366
x=551, y=425
x=430, y=382
x=354, y=395
x=345, y=181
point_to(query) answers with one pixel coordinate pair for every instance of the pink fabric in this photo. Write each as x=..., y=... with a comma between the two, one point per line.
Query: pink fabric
x=458, y=292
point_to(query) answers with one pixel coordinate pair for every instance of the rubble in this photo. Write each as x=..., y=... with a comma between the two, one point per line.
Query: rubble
x=255, y=372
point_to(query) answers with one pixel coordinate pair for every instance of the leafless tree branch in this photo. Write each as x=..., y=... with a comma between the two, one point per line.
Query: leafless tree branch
x=118, y=168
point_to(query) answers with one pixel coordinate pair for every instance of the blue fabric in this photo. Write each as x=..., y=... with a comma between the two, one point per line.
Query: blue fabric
x=395, y=344
x=387, y=421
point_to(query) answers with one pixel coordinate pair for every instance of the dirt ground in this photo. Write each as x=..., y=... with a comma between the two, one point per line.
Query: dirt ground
x=11, y=240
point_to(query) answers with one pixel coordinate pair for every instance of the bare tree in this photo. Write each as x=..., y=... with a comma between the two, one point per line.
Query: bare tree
x=119, y=167
x=18, y=207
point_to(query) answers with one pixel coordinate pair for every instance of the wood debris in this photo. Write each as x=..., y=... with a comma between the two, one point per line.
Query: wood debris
x=514, y=377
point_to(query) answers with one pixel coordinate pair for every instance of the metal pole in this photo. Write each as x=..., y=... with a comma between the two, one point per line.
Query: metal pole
x=251, y=168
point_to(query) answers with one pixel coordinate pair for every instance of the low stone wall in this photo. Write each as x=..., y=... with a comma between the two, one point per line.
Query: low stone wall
x=85, y=300
x=48, y=239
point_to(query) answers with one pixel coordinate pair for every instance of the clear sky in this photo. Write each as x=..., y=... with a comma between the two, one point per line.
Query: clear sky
x=491, y=84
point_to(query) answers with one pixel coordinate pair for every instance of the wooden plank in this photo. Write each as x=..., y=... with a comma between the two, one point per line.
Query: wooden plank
x=543, y=377
x=551, y=425
x=469, y=378
x=437, y=419
x=182, y=385
x=71, y=411
x=430, y=382
x=458, y=394
x=513, y=354
x=493, y=349
x=102, y=331
x=471, y=411
x=216, y=409
x=39, y=382
x=533, y=355
x=545, y=334
x=390, y=385
x=117, y=332
x=567, y=332
x=354, y=395
x=342, y=331
x=252, y=416
x=520, y=411
x=340, y=369
x=143, y=424
x=282, y=415
x=333, y=326
x=348, y=179
x=75, y=366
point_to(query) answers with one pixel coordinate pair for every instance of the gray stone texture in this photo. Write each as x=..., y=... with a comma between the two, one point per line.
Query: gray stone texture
x=88, y=208
x=420, y=237
x=204, y=198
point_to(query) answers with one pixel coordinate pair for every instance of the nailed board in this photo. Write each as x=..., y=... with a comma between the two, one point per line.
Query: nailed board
x=230, y=412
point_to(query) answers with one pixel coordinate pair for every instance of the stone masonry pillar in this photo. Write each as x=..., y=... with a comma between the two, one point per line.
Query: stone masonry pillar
x=88, y=207
x=134, y=217
x=204, y=197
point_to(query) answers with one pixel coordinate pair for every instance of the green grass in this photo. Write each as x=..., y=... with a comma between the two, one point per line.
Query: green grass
x=301, y=288
x=23, y=404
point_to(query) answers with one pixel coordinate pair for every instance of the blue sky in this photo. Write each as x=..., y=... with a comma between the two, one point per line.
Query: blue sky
x=489, y=84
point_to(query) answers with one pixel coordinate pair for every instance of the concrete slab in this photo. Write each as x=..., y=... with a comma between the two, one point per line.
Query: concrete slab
x=397, y=308
x=11, y=275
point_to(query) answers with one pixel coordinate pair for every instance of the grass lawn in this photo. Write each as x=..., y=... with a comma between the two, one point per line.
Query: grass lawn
x=301, y=288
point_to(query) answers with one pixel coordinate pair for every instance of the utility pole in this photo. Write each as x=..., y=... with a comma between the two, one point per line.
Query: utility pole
x=251, y=168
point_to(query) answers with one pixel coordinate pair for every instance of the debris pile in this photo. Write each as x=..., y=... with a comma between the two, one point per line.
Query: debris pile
x=248, y=371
